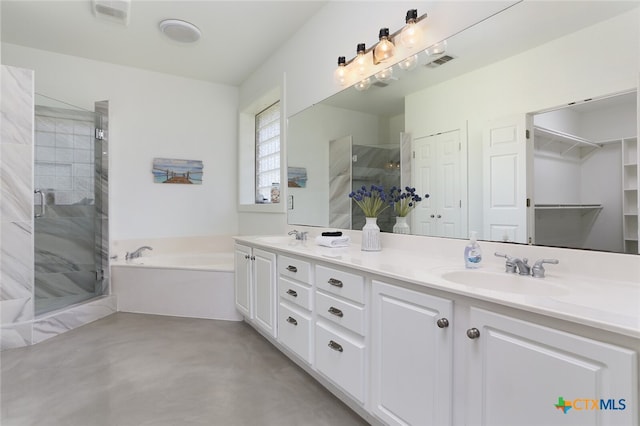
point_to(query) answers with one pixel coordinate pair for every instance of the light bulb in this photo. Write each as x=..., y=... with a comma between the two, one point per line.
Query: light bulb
x=363, y=85
x=361, y=64
x=411, y=35
x=384, y=75
x=340, y=75
x=384, y=49
x=409, y=63
x=436, y=49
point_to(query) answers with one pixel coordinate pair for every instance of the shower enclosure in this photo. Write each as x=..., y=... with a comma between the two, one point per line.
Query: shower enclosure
x=70, y=204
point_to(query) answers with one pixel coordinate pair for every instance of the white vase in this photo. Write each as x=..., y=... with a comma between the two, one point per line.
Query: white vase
x=401, y=226
x=371, y=235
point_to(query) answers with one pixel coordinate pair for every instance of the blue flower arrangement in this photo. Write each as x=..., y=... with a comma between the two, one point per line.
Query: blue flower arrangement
x=404, y=202
x=372, y=201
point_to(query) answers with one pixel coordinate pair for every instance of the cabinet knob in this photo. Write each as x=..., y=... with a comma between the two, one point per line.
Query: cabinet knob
x=335, y=346
x=439, y=216
x=334, y=282
x=473, y=333
x=443, y=323
x=432, y=216
x=253, y=258
x=246, y=256
x=292, y=321
x=291, y=268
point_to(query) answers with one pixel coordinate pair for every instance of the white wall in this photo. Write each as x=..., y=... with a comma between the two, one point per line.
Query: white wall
x=151, y=115
x=309, y=59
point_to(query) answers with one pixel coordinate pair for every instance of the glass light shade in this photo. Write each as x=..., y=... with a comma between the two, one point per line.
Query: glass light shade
x=341, y=73
x=409, y=63
x=361, y=64
x=436, y=49
x=385, y=49
x=363, y=85
x=411, y=35
x=384, y=75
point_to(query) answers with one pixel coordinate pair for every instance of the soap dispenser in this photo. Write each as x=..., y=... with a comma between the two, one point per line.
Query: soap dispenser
x=472, y=252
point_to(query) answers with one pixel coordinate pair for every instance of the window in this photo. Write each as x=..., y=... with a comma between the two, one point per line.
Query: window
x=268, y=154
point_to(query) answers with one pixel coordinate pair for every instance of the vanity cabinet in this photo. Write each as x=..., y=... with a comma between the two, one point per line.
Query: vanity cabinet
x=411, y=356
x=295, y=292
x=518, y=370
x=255, y=287
x=340, y=329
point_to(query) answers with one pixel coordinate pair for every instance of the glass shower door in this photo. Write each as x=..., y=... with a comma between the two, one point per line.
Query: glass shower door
x=67, y=229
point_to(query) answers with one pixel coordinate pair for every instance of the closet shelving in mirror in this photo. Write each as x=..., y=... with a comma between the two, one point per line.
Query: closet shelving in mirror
x=630, y=194
x=568, y=141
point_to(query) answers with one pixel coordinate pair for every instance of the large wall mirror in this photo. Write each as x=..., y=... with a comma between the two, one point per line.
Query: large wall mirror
x=524, y=130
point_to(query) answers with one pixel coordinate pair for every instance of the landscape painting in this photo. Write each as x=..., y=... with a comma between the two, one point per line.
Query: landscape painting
x=296, y=177
x=170, y=170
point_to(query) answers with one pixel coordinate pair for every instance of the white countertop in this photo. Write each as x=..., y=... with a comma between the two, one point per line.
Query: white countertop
x=610, y=305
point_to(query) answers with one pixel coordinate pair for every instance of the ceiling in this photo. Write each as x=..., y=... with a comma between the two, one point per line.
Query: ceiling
x=237, y=36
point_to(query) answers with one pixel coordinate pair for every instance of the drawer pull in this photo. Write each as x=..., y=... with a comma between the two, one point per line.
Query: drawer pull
x=292, y=293
x=473, y=333
x=334, y=282
x=292, y=321
x=335, y=311
x=335, y=346
x=292, y=268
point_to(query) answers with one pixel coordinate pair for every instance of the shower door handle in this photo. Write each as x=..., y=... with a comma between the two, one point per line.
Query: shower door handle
x=42, y=204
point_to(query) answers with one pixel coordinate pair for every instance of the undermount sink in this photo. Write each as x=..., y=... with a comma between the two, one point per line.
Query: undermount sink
x=506, y=282
x=278, y=239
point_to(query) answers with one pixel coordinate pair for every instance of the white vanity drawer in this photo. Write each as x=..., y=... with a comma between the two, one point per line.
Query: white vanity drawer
x=341, y=359
x=294, y=268
x=294, y=331
x=341, y=312
x=294, y=292
x=344, y=284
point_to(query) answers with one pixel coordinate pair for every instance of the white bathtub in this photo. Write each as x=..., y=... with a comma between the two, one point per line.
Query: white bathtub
x=195, y=285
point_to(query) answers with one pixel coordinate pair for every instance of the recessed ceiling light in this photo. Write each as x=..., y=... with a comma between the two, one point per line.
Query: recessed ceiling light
x=178, y=30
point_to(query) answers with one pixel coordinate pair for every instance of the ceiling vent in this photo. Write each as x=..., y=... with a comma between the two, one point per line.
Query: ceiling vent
x=113, y=10
x=440, y=61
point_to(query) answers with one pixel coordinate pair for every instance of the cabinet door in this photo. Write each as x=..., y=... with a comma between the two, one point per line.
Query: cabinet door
x=411, y=357
x=264, y=290
x=243, y=280
x=525, y=374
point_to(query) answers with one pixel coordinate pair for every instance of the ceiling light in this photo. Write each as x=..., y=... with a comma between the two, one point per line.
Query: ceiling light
x=178, y=30
x=361, y=65
x=363, y=85
x=384, y=75
x=437, y=49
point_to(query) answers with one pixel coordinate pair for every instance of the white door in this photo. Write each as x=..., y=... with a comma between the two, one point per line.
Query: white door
x=243, y=280
x=507, y=179
x=523, y=374
x=436, y=171
x=411, y=357
x=264, y=274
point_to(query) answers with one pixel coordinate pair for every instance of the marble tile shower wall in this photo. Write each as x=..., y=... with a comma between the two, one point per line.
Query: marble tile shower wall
x=16, y=195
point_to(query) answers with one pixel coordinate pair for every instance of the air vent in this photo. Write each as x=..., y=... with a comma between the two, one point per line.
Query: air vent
x=380, y=84
x=113, y=10
x=440, y=61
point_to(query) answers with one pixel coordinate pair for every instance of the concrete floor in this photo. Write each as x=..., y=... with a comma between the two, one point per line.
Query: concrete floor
x=132, y=369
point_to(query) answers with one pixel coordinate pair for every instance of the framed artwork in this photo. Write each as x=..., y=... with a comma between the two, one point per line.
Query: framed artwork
x=296, y=177
x=171, y=170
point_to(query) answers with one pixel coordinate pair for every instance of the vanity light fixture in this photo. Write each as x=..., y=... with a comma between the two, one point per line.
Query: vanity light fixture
x=340, y=75
x=361, y=64
x=385, y=49
x=437, y=49
x=384, y=75
x=363, y=85
x=409, y=63
x=411, y=35
x=178, y=30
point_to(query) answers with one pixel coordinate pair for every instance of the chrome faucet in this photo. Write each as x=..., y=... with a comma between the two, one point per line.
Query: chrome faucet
x=521, y=266
x=137, y=253
x=302, y=236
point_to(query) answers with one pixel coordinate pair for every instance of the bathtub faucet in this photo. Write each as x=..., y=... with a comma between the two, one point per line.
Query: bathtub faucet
x=137, y=253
